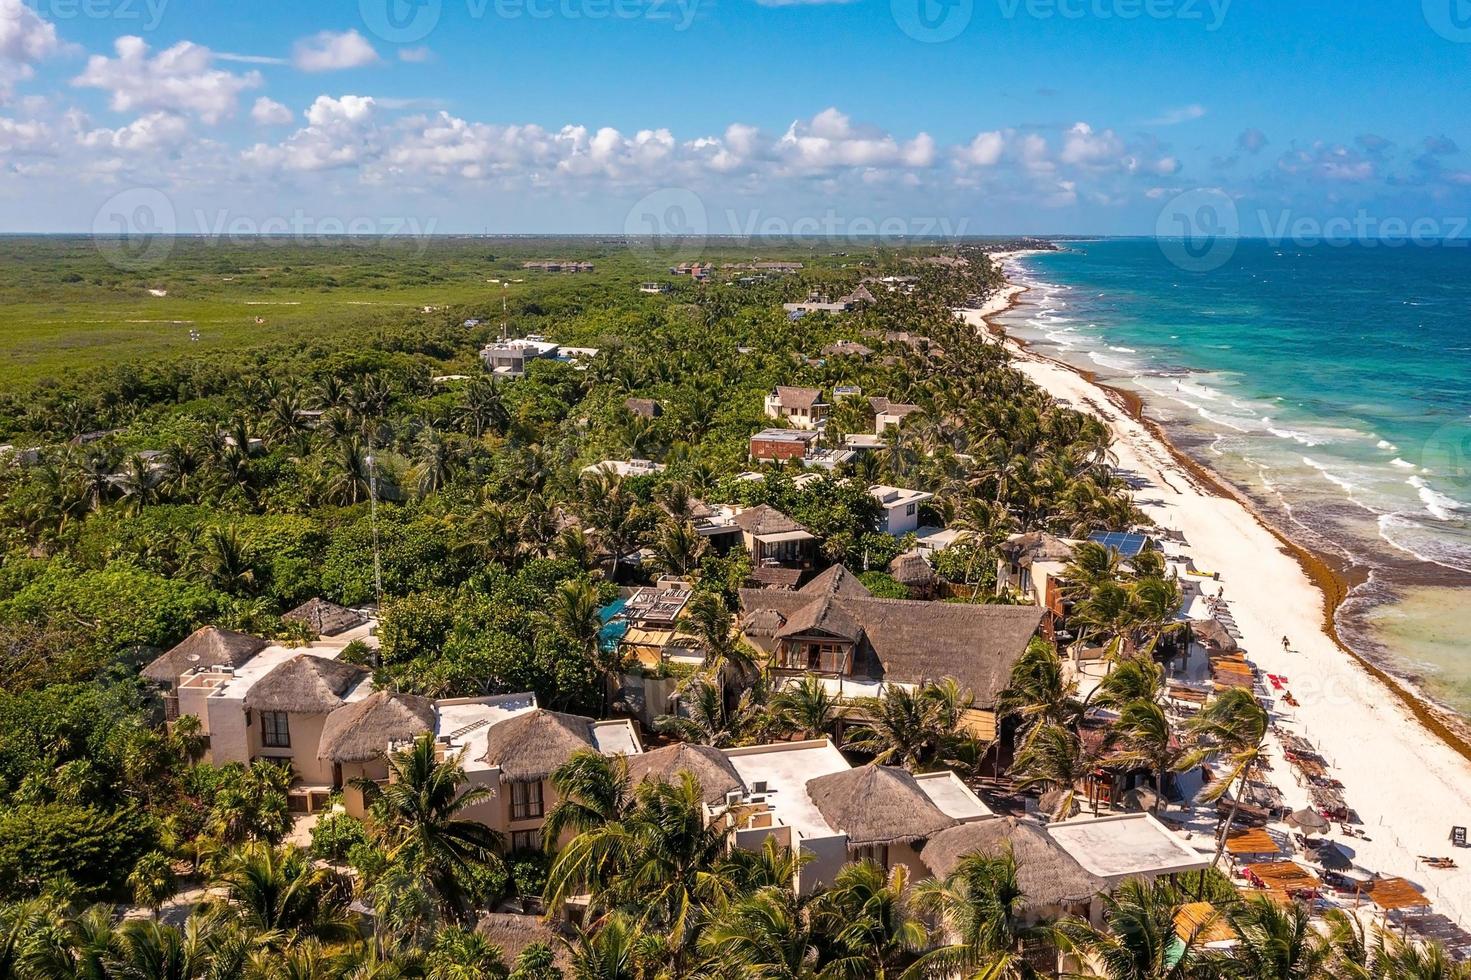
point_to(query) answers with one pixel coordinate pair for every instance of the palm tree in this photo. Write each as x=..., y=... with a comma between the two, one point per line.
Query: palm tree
x=483, y=407
x=152, y=881
x=765, y=935
x=679, y=548
x=900, y=727
x=349, y=476
x=1057, y=759
x=1147, y=739
x=1233, y=727
x=708, y=620
x=980, y=905
x=227, y=560
x=608, y=950
x=592, y=790
x=867, y=921
x=1138, y=939
x=96, y=468
x=417, y=816
x=1278, y=942
x=1134, y=678
x=1039, y=692
x=706, y=720
x=434, y=461
x=278, y=891
x=807, y=708
x=207, y=948
x=575, y=614
x=141, y=483
x=461, y=955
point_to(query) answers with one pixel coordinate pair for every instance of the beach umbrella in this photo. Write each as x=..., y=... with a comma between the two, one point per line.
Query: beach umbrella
x=1333, y=857
x=1309, y=820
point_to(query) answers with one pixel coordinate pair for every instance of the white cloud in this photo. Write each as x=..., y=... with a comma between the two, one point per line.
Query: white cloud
x=1173, y=117
x=339, y=133
x=178, y=79
x=154, y=132
x=269, y=112
x=829, y=140
x=333, y=51
x=25, y=38
x=1084, y=147
x=983, y=151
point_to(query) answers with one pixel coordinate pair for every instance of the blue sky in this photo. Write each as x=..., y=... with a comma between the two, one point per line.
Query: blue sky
x=928, y=116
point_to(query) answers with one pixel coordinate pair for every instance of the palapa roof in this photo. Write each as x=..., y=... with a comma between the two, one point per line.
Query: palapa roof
x=844, y=348
x=531, y=746
x=877, y=805
x=1202, y=924
x=513, y=933
x=903, y=640
x=327, y=618
x=776, y=577
x=709, y=765
x=1213, y=634
x=1049, y=876
x=361, y=730
x=798, y=397
x=206, y=647
x=1034, y=546
x=826, y=617
x=645, y=407
x=305, y=684
x=836, y=580
x=911, y=568
x=764, y=519
x=1393, y=893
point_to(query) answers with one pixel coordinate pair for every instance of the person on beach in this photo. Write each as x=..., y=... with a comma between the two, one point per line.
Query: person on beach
x=1286, y=645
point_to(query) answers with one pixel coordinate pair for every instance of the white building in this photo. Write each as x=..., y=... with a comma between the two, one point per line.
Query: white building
x=899, y=508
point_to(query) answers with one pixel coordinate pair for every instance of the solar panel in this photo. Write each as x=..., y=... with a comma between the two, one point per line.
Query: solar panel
x=1127, y=543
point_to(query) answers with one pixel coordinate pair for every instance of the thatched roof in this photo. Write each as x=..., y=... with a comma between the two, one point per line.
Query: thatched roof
x=877, y=805
x=798, y=397
x=532, y=745
x=643, y=407
x=710, y=766
x=1048, y=875
x=776, y=577
x=907, y=641
x=1211, y=633
x=1033, y=546
x=361, y=730
x=825, y=617
x=912, y=569
x=327, y=618
x=206, y=647
x=306, y=684
x=513, y=933
x=764, y=519
x=836, y=580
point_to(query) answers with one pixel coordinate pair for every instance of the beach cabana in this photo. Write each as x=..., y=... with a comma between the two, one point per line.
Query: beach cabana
x=1393, y=894
x=1308, y=821
x=1203, y=925
x=1332, y=857
x=1287, y=877
x=1210, y=634
x=1251, y=842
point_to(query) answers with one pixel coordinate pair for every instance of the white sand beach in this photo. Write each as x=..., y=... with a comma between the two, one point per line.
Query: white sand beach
x=1407, y=785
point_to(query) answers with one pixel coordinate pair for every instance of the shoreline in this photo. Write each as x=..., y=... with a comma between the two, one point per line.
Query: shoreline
x=1405, y=766
x=1335, y=580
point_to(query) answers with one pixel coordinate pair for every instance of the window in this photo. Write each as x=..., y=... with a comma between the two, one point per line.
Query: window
x=525, y=840
x=909, y=510
x=275, y=733
x=526, y=800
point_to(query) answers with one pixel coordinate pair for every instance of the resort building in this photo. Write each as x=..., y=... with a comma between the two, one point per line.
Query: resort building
x=846, y=348
x=773, y=538
x=887, y=413
x=508, y=358
x=778, y=445
x=834, y=628
x=1033, y=564
x=898, y=508
x=626, y=467
x=1129, y=845
x=802, y=408
x=654, y=287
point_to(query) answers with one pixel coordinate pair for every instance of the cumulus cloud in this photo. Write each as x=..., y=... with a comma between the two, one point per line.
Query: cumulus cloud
x=983, y=151
x=269, y=112
x=333, y=51
x=178, y=79
x=339, y=132
x=829, y=140
x=155, y=132
x=1082, y=146
x=25, y=39
x=1173, y=117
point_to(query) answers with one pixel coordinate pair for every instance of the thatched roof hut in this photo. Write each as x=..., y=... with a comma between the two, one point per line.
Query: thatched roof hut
x=1049, y=876
x=326, y=618
x=710, y=766
x=531, y=746
x=206, y=647
x=1034, y=546
x=513, y=933
x=1210, y=633
x=912, y=570
x=361, y=730
x=835, y=580
x=877, y=805
x=306, y=684
x=765, y=519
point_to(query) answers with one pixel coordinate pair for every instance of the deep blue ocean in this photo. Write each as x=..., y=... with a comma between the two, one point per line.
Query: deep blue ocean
x=1331, y=382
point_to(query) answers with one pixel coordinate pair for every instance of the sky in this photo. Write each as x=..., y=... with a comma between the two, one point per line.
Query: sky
x=894, y=117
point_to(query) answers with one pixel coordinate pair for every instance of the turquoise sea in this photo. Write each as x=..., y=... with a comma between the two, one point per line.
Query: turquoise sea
x=1331, y=382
